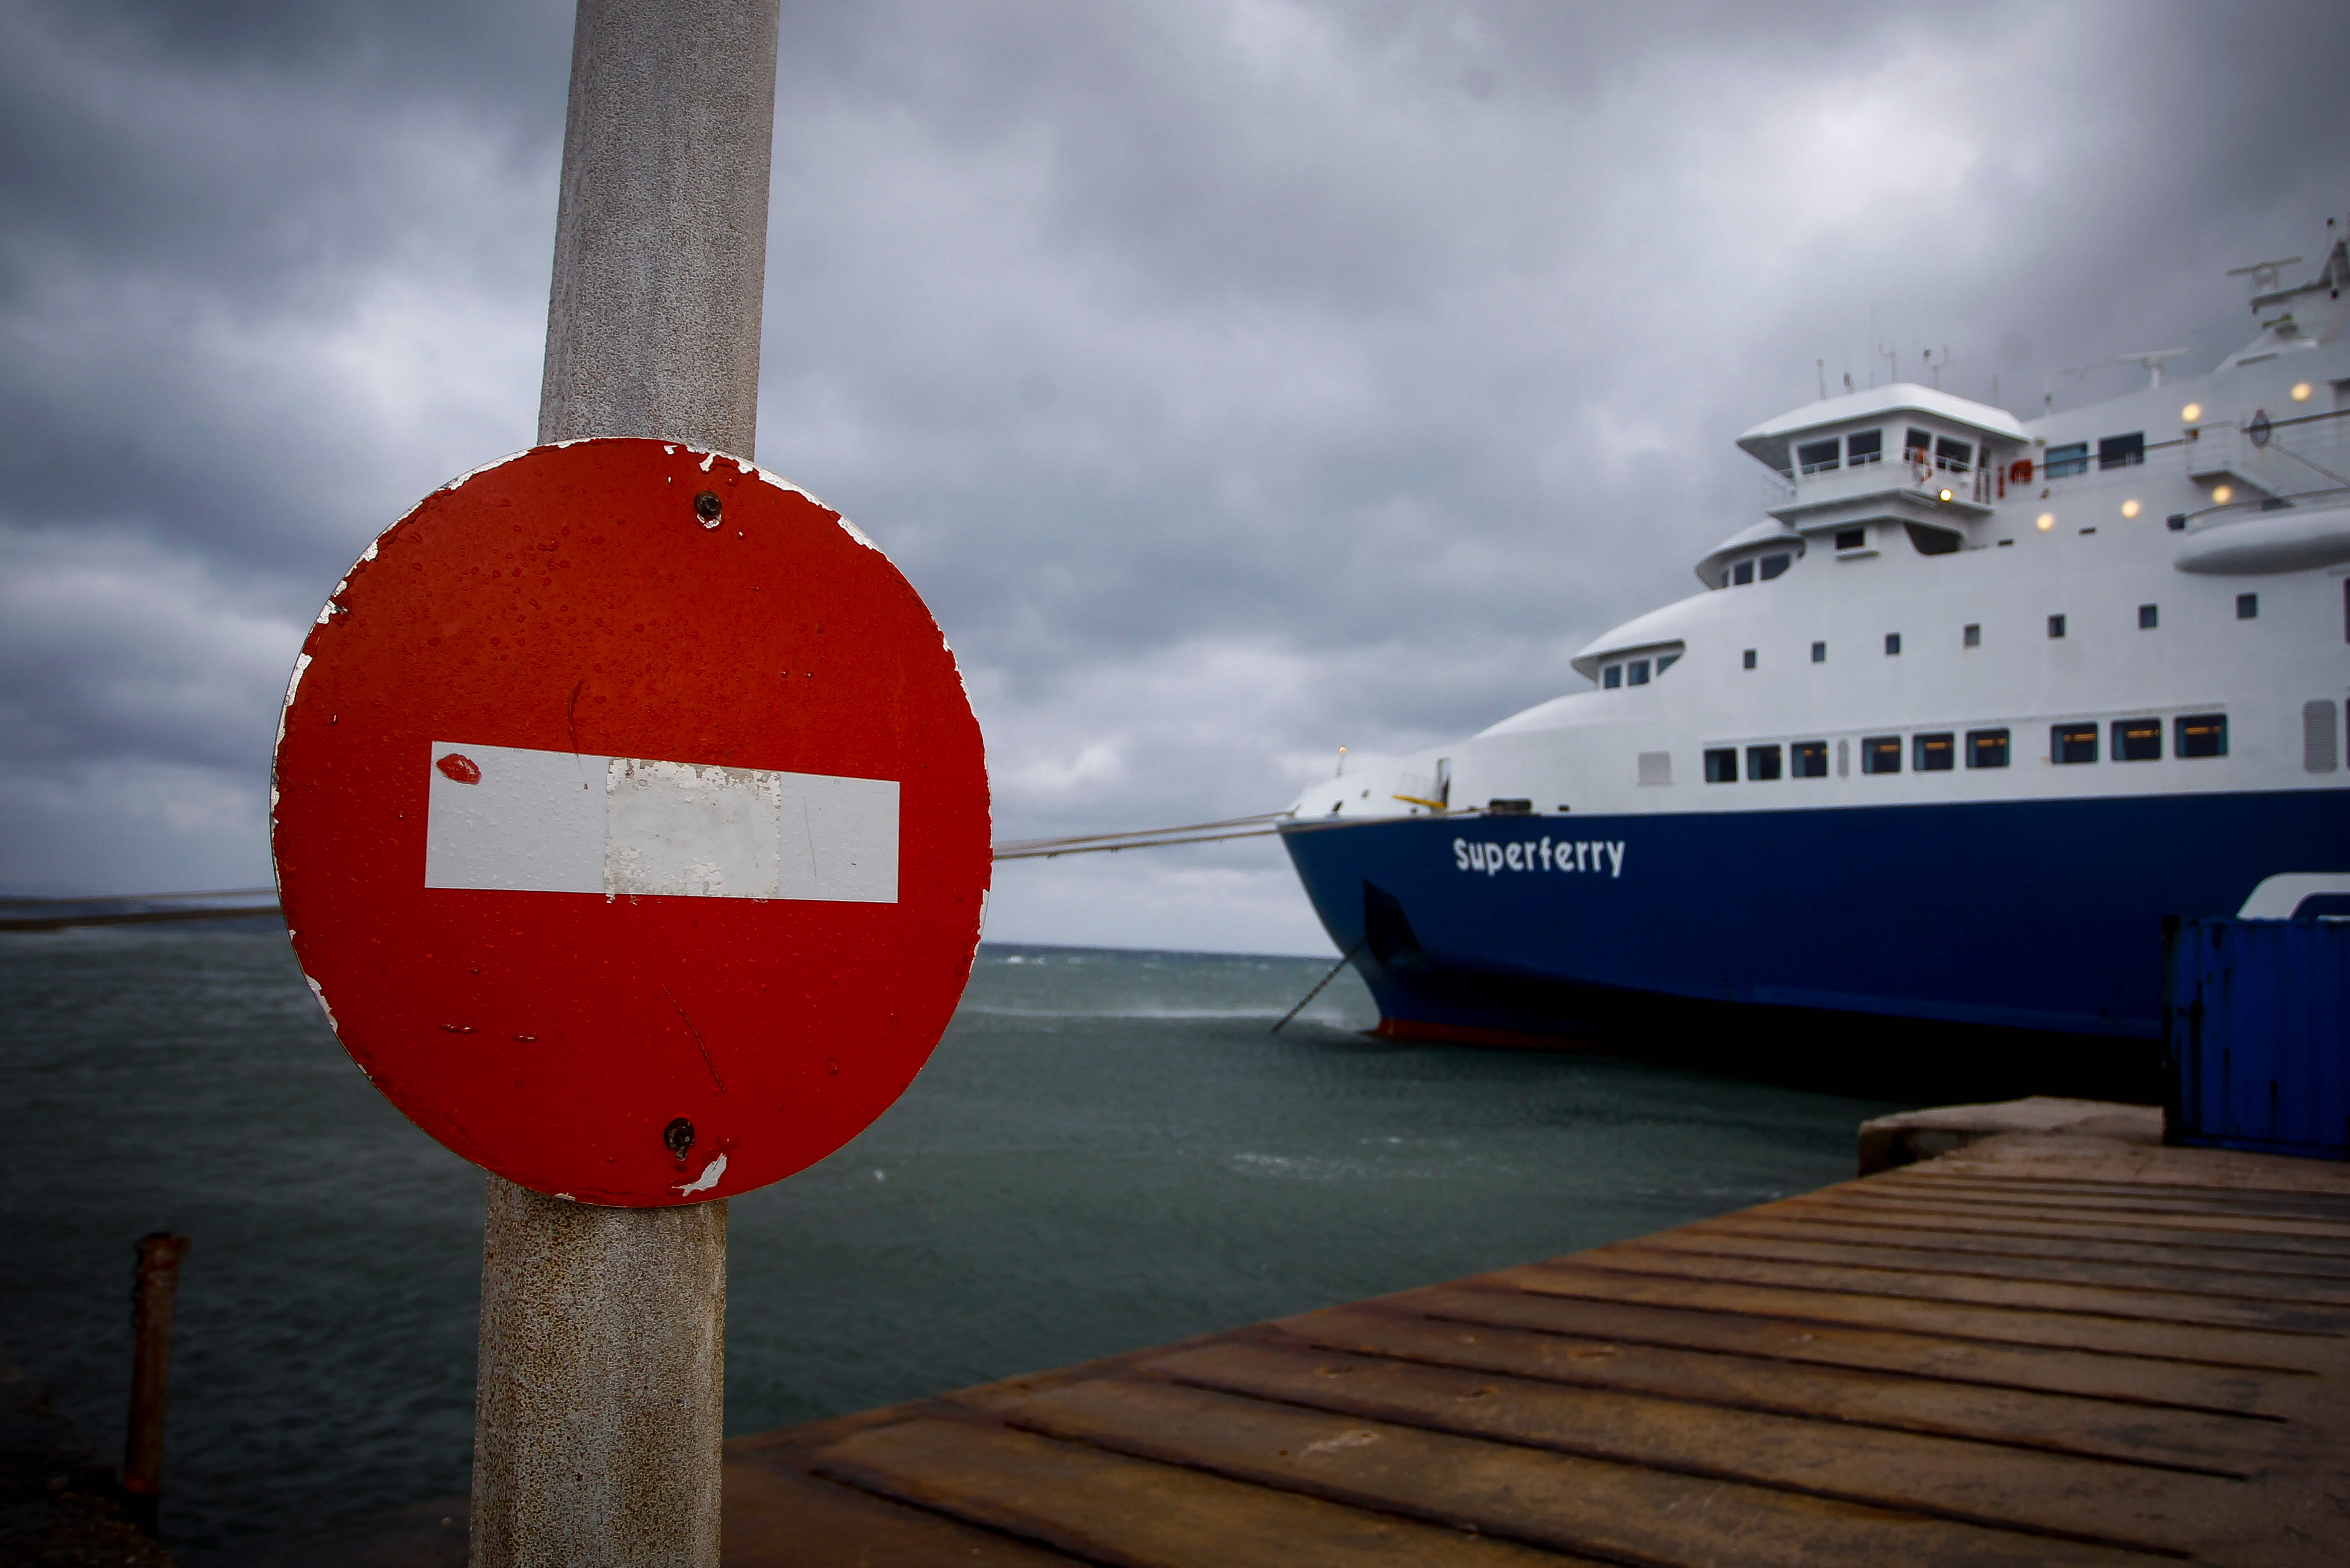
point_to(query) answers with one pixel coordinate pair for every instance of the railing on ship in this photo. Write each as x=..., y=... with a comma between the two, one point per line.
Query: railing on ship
x=1928, y=471
x=2214, y=446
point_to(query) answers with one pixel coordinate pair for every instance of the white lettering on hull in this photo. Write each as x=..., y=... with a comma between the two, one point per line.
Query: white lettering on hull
x=1602, y=854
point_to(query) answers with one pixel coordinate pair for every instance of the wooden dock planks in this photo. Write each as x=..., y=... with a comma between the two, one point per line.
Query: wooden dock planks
x=2039, y=1350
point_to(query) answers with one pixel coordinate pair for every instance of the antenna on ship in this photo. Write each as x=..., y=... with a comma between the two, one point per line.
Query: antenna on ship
x=1823, y=364
x=2153, y=360
x=2048, y=384
x=2262, y=273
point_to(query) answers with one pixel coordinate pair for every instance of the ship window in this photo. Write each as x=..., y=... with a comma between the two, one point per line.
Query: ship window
x=1933, y=753
x=1892, y=643
x=1851, y=538
x=1957, y=456
x=1808, y=760
x=1749, y=659
x=1774, y=565
x=1917, y=444
x=1762, y=763
x=1819, y=653
x=2148, y=617
x=2072, y=743
x=2122, y=451
x=2318, y=749
x=2055, y=626
x=1665, y=662
x=2065, y=462
x=1972, y=637
x=1880, y=755
x=1864, y=446
x=1637, y=672
x=1928, y=540
x=1818, y=456
x=2247, y=607
x=2138, y=740
x=1722, y=766
x=1612, y=677
x=2201, y=735
x=1742, y=573
x=1986, y=748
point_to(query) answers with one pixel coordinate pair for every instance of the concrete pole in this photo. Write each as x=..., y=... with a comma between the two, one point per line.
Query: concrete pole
x=603, y=1349
x=661, y=243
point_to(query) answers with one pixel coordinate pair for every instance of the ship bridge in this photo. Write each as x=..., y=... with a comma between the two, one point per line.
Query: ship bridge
x=1927, y=461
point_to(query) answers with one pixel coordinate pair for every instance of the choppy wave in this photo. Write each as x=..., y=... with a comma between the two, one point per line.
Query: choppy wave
x=1107, y=1151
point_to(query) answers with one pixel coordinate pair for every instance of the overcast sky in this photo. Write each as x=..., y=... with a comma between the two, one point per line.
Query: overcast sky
x=1236, y=378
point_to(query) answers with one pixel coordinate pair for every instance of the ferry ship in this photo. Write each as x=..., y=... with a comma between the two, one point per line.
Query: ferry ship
x=1944, y=738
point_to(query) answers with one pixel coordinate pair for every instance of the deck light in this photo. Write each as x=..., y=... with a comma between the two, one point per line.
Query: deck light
x=1944, y=494
x=2222, y=494
x=2301, y=391
x=2047, y=521
x=2129, y=508
x=2192, y=412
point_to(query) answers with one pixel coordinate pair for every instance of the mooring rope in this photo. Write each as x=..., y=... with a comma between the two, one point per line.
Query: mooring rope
x=1344, y=959
x=1264, y=825
x=1142, y=838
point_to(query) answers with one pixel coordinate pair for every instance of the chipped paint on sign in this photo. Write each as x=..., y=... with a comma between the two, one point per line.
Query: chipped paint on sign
x=511, y=819
x=706, y=1180
x=458, y=483
x=321, y=993
x=293, y=684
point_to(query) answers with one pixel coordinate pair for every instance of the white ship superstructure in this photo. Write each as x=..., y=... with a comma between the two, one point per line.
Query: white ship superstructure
x=1958, y=636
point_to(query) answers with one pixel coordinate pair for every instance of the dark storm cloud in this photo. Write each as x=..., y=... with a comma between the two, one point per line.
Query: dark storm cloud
x=197, y=198
x=1236, y=379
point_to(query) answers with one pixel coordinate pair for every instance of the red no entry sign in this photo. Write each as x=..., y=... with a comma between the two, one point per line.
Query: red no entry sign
x=631, y=823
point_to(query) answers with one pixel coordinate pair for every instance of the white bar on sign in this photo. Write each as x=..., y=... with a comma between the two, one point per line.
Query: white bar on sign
x=839, y=838
x=676, y=830
x=506, y=819
x=533, y=821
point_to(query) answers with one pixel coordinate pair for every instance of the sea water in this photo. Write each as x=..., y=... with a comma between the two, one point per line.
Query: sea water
x=1109, y=1150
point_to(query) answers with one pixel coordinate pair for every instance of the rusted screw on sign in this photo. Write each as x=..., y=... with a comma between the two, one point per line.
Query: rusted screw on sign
x=679, y=1136
x=707, y=506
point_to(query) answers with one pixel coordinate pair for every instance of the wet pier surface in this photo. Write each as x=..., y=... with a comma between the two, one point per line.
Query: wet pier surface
x=2043, y=1348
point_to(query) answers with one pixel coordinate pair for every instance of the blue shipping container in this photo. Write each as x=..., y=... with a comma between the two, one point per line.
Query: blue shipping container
x=2257, y=1017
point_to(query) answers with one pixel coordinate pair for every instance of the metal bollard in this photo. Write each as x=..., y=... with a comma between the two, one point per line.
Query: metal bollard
x=155, y=1286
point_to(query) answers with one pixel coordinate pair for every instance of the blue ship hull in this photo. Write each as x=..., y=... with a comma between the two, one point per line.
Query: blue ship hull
x=2040, y=915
